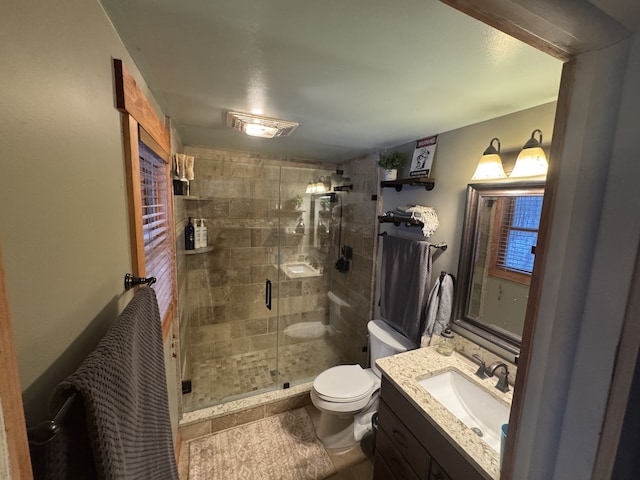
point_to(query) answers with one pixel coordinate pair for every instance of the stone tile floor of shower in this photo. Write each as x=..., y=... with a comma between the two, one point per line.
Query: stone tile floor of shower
x=224, y=379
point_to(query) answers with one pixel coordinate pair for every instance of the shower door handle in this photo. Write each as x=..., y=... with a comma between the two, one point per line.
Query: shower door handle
x=267, y=299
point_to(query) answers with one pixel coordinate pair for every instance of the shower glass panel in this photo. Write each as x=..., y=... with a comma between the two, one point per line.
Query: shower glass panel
x=307, y=253
x=262, y=226
x=233, y=337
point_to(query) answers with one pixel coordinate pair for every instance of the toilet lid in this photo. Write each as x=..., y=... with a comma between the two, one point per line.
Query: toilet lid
x=344, y=383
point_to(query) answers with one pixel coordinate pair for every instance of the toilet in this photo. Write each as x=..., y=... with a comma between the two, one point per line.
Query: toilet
x=347, y=395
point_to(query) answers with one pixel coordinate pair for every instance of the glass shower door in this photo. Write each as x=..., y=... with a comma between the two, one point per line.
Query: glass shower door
x=305, y=265
x=270, y=244
x=234, y=336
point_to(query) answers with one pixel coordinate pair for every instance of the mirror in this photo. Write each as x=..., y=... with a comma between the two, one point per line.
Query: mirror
x=496, y=260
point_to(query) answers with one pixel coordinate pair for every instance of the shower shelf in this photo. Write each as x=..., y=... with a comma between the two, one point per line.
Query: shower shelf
x=288, y=212
x=425, y=182
x=199, y=250
x=191, y=197
x=409, y=222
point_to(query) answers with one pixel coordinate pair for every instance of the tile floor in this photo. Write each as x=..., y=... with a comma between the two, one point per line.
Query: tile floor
x=220, y=380
x=354, y=463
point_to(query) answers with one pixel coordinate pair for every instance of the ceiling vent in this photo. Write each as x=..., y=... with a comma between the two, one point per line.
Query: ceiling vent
x=258, y=126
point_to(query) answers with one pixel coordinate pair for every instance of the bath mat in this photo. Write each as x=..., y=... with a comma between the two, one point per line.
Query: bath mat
x=282, y=447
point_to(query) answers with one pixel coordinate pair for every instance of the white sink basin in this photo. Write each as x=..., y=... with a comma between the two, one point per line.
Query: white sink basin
x=470, y=403
x=300, y=269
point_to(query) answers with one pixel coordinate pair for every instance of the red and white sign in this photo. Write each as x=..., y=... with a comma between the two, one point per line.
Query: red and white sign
x=423, y=156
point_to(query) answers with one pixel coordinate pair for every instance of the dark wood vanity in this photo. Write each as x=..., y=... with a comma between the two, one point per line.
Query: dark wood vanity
x=409, y=446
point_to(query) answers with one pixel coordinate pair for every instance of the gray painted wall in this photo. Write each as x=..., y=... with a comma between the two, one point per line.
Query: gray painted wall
x=63, y=206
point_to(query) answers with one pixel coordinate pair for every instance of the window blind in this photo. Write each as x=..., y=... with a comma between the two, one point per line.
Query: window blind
x=156, y=225
x=518, y=221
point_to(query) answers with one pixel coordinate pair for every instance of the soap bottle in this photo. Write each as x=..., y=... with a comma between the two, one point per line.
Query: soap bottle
x=199, y=233
x=189, y=236
x=203, y=234
x=300, y=226
x=196, y=233
x=445, y=347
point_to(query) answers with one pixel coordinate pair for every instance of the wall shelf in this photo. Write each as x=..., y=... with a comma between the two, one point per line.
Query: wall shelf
x=409, y=222
x=192, y=197
x=199, y=250
x=426, y=182
x=283, y=211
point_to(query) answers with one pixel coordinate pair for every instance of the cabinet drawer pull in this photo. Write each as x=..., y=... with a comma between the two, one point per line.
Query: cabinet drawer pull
x=400, y=438
x=398, y=467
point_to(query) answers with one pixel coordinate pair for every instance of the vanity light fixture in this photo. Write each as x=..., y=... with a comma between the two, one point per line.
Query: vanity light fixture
x=531, y=160
x=490, y=164
x=311, y=187
x=259, y=126
x=319, y=186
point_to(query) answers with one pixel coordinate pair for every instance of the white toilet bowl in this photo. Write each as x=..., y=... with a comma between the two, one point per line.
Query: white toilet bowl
x=340, y=393
x=345, y=391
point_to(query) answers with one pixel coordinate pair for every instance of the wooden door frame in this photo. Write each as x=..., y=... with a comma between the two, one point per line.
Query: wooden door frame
x=10, y=393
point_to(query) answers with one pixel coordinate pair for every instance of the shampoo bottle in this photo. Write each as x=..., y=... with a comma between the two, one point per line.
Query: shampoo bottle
x=189, y=236
x=203, y=234
x=198, y=233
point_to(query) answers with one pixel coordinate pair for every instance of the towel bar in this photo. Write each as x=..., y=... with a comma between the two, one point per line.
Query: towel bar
x=441, y=246
x=46, y=431
x=131, y=281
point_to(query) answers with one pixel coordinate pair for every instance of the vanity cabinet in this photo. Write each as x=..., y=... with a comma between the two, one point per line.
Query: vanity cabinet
x=408, y=445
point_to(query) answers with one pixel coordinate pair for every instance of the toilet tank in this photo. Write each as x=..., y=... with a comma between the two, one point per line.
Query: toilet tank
x=384, y=341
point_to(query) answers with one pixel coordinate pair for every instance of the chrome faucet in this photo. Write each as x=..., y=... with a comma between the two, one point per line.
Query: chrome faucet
x=482, y=368
x=503, y=380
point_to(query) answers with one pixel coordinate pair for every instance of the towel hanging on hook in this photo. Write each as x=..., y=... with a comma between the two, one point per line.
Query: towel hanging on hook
x=439, y=308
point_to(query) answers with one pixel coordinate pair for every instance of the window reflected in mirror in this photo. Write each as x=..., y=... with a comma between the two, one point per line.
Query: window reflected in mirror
x=496, y=261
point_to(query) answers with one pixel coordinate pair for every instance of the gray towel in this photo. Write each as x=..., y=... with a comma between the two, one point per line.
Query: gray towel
x=439, y=307
x=123, y=409
x=404, y=284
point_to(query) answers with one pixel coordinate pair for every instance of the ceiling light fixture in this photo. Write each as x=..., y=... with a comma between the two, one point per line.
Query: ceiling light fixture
x=259, y=126
x=531, y=160
x=490, y=164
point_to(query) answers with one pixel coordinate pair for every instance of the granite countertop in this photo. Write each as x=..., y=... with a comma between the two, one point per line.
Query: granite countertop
x=405, y=369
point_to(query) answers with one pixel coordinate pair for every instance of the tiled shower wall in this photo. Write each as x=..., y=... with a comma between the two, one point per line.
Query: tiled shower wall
x=359, y=231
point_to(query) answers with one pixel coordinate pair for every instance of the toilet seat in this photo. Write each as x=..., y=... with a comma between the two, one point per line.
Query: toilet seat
x=344, y=384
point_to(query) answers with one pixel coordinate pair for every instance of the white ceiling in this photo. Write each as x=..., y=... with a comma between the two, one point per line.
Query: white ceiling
x=358, y=75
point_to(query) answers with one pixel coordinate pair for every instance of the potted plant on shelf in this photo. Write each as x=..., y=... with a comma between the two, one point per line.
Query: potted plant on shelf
x=391, y=161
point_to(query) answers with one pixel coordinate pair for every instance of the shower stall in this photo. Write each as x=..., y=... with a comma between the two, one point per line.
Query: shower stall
x=257, y=305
